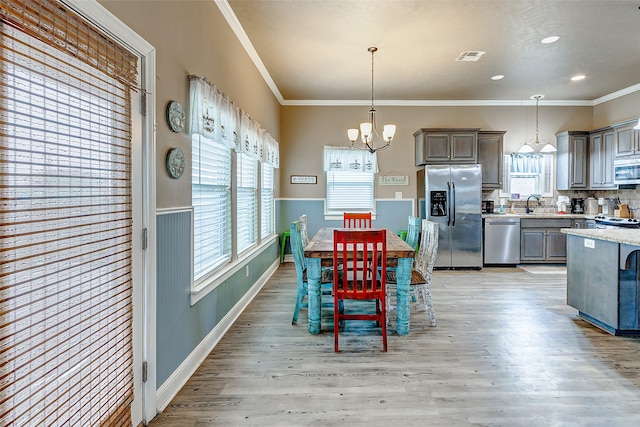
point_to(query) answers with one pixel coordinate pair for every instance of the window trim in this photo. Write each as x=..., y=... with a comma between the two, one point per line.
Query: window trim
x=219, y=276
x=549, y=160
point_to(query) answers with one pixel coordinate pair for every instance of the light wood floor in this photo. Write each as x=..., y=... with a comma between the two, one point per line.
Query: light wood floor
x=507, y=351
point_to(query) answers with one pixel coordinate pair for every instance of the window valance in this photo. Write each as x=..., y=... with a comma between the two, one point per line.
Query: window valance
x=215, y=117
x=526, y=163
x=343, y=159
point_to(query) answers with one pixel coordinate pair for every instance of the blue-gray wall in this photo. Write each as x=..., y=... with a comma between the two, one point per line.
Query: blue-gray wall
x=392, y=214
x=180, y=326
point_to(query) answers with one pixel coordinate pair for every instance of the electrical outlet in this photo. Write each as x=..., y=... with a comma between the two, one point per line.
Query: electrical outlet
x=247, y=271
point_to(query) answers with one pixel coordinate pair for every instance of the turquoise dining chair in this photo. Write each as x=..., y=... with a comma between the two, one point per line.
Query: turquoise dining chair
x=326, y=280
x=413, y=232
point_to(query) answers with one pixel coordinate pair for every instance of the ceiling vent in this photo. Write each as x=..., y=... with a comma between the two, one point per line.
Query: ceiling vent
x=470, y=56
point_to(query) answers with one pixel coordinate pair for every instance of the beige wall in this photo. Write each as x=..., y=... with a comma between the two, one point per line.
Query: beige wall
x=192, y=37
x=616, y=111
x=306, y=130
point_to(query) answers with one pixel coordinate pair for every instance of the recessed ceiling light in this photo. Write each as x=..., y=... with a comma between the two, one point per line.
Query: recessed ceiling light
x=550, y=39
x=578, y=77
x=497, y=77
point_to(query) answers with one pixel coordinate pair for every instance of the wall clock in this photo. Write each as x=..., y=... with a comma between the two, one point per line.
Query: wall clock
x=175, y=116
x=175, y=163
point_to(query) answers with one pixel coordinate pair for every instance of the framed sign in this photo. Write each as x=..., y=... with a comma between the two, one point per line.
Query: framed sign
x=304, y=179
x=394, y=180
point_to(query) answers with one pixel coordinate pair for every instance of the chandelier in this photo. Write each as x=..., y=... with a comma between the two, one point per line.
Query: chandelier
x=369, y=138
x=548, y=148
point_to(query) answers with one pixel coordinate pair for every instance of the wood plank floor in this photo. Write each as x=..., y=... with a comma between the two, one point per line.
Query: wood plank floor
x=507, y=351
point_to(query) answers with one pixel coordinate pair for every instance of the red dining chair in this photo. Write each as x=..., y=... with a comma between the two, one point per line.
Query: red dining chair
x=364, y=280
x=356, y=220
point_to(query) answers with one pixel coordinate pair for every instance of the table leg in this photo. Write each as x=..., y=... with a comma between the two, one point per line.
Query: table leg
x=315, y=297
x=403, y=278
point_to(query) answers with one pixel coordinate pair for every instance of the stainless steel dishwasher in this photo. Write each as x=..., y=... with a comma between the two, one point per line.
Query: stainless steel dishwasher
x=502, y=240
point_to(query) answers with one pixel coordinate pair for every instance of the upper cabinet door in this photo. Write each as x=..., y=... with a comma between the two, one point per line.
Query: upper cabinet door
x=572, y=162
x=627, y=140
x=439, y=146
x=490, y=150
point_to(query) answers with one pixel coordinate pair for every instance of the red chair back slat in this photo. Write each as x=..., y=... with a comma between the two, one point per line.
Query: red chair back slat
x=356, y=220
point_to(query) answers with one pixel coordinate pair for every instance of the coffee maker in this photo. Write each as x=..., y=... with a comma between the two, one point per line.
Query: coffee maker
x=577, y=206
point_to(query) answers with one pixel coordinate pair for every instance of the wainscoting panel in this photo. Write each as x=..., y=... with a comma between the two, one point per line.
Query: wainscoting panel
x=181, y=327
x=391, y=213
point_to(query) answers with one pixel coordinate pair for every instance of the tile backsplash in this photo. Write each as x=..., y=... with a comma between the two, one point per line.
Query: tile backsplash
x=631, y=197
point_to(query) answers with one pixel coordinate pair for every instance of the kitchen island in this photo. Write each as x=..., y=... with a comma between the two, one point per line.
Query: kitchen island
x=603, y=278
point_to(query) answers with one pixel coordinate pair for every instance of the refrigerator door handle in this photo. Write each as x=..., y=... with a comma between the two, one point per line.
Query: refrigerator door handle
x=448, y=203
x=453, y=203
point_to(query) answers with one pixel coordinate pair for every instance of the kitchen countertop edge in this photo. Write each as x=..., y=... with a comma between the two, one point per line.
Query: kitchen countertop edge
x=538, y=215
x=621, y=235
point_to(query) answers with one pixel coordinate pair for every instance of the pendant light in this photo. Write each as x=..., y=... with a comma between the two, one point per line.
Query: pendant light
x=368, y=131
x=548, y=147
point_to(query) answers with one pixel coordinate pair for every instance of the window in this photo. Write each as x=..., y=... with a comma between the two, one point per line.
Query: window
x=350, y=180
x=526, y=174
x=232, y=212
x=211, y=199
x=247, y=201
x=267, y=214
x=350, y=191
x=66, y=190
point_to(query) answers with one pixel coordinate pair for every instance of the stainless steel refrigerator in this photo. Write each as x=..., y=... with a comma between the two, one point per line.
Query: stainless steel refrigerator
x=451, y=195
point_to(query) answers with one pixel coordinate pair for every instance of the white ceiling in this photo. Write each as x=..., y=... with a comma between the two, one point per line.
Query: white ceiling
x=315, y=51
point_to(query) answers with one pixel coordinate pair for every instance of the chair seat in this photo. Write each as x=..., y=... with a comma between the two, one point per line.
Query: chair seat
x=416, y=278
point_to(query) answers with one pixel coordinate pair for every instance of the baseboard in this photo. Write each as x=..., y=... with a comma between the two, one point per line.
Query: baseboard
x=168, y=390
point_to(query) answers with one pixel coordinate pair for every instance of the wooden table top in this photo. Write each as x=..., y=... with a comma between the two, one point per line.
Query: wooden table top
x=321, y=246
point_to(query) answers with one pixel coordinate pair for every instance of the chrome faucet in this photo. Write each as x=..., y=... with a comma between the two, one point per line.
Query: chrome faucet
x=528, y=209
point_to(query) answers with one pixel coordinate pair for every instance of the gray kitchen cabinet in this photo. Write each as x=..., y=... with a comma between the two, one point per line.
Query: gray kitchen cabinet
x=627, y=139
x=446, y=145
x=490, y=149
x=572, y=161
x=542, y=241
x=602, y=149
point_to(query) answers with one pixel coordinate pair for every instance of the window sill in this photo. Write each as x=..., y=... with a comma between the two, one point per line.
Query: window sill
x=209, y=283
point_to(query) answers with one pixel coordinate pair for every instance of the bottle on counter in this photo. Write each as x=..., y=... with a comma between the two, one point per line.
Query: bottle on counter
x=513, y=208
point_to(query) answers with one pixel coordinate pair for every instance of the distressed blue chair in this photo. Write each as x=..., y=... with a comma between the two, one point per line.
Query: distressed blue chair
x=297, y=249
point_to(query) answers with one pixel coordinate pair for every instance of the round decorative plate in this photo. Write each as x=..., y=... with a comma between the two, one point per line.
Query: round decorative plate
x=175, y=163
x=175, y=116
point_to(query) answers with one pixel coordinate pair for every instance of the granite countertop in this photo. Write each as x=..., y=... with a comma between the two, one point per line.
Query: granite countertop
x=535, y=215
x=627, y=236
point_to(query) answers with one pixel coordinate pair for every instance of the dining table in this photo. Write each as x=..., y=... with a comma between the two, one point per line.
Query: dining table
x=319, y=254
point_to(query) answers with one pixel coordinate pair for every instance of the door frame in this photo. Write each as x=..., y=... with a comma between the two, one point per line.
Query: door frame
x=144, y=405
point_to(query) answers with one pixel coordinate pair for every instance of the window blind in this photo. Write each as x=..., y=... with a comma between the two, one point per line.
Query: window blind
x=267, y=215
x=350, y=191
x=247, y=202
x=211, y=198
x=65, y=246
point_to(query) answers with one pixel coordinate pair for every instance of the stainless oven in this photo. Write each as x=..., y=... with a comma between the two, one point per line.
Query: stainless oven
x=627, y=171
